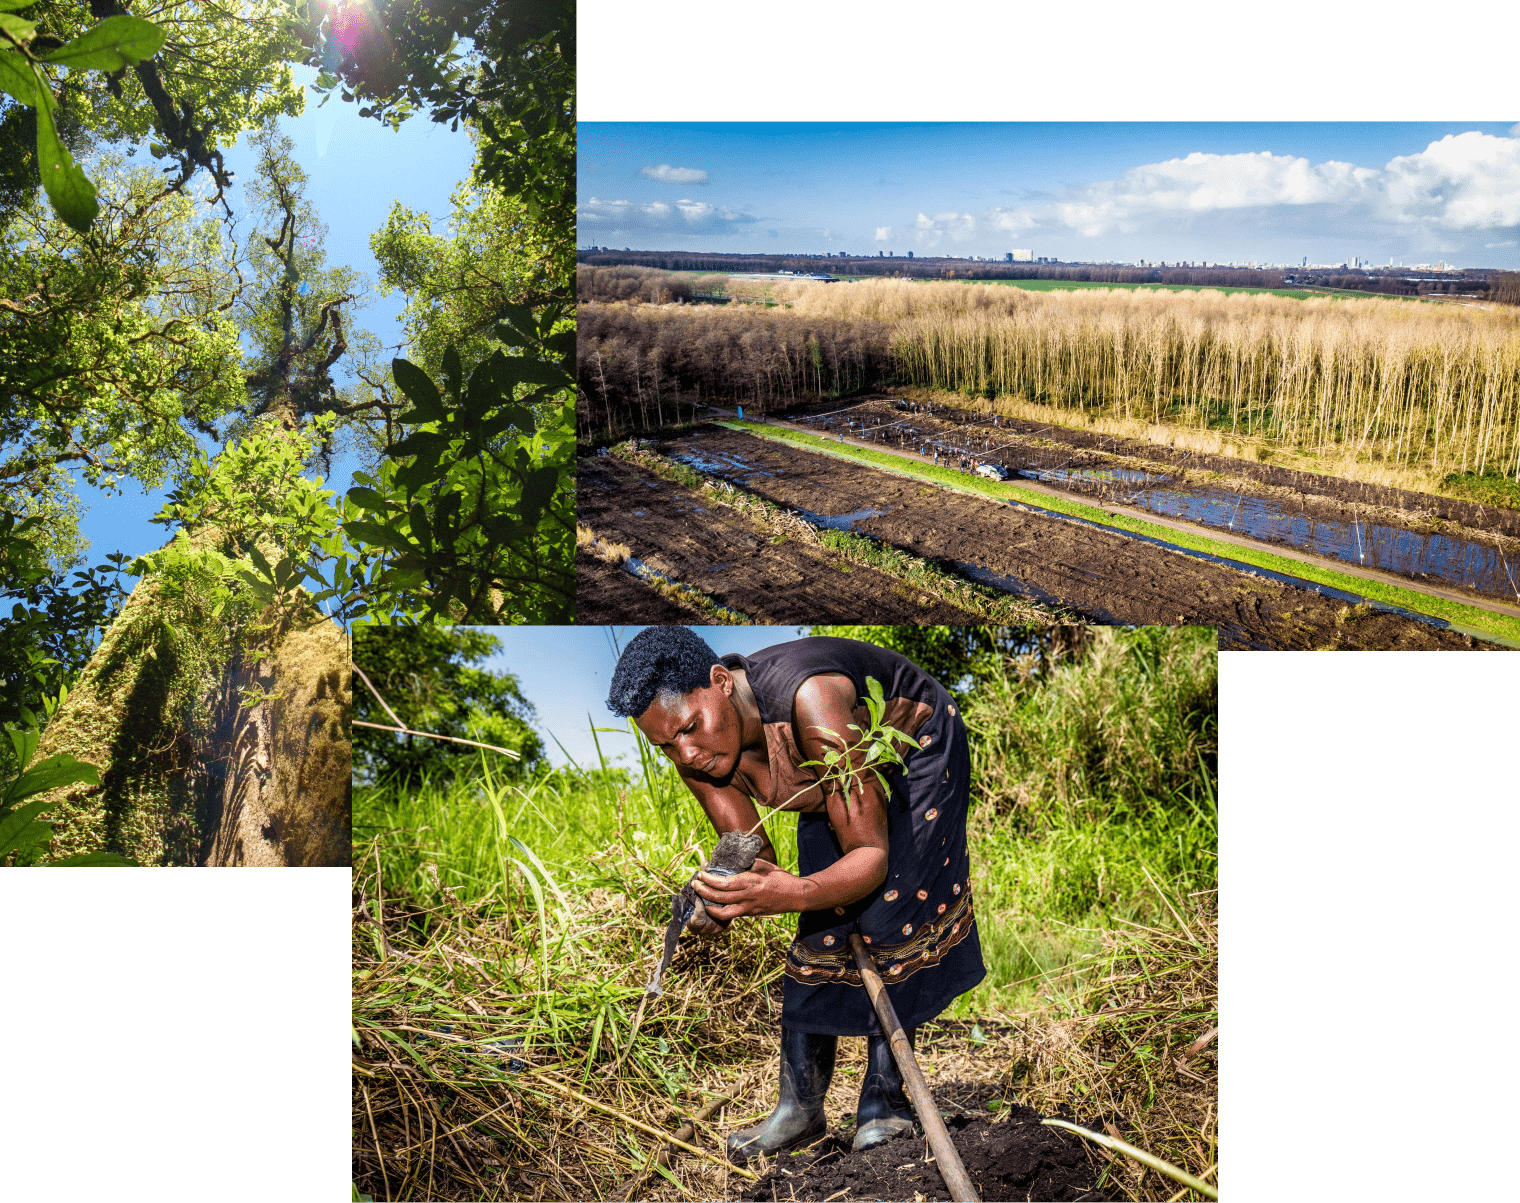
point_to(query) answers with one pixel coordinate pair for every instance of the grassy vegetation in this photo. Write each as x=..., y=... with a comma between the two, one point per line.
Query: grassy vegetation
x=1471, y=619
x=503, y=934
x=1489, y=488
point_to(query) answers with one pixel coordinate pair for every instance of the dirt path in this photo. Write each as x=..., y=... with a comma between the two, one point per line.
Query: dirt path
x=1108, y=577
x=721, y=553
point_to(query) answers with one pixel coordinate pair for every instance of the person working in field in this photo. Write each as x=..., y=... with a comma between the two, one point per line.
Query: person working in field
x=890, y=865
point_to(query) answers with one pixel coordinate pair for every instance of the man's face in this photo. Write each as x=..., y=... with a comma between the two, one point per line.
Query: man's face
x=699, y=730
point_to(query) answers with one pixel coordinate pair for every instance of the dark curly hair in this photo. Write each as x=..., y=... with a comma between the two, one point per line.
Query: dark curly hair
x=659, y=660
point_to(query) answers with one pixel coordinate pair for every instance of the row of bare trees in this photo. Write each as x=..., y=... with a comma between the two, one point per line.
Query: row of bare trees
x=642, y=367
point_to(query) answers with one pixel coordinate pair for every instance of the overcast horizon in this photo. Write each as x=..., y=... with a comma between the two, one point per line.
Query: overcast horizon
x=1087, y=192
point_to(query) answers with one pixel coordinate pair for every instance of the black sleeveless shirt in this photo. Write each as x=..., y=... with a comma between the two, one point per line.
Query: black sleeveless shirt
x=919, y=923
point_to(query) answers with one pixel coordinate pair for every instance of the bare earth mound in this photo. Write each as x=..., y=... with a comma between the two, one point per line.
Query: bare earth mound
x=1013, y=1158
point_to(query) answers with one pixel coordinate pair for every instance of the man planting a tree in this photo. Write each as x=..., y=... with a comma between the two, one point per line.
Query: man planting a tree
x=871, y=752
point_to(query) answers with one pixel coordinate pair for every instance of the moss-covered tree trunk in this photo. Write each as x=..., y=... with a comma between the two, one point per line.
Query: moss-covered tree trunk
x=208, y=754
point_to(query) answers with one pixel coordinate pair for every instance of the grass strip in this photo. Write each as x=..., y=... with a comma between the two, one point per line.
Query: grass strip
x=1466, y=618
x=992, y=605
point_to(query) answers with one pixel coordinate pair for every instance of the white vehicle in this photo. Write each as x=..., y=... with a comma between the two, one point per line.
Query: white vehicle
x=992, y=471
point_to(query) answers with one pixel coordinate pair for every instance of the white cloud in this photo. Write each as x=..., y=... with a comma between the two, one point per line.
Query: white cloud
x=682, y=217
x=1467, y=181
x=929, y=231
x=883, y=233
x=667, y=174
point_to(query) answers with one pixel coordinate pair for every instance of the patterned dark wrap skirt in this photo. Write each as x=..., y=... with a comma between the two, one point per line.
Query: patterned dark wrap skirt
x=919, y=924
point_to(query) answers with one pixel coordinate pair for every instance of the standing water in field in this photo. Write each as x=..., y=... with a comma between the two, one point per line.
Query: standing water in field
x=1483, y=568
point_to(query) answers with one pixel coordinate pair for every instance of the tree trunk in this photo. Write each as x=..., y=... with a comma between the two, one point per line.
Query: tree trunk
x=191, y=772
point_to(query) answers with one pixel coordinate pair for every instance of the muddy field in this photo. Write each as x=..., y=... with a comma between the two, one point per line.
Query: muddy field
x=607, y=595
x=1012, y=1158
x=1474, y=549
x=1104, y=576
x=735, y=562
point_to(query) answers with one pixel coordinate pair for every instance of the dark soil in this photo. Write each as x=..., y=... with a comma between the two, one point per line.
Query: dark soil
x=605, y=595
x=737, y=563
x=1105, y=576
x=1012, y=1158
x=1320, y=494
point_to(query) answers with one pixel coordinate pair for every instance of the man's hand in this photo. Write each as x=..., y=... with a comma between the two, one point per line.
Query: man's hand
x=764, y=890
x=704, y=924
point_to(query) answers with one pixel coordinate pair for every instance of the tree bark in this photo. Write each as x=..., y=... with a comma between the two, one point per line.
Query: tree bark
x=192, y=775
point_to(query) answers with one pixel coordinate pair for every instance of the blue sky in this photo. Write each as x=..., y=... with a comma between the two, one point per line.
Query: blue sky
x=566, y=672
x=1211, y=192
x=357, y=169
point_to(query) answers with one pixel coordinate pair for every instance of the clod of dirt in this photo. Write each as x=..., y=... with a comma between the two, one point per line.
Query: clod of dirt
x=1014, y=1158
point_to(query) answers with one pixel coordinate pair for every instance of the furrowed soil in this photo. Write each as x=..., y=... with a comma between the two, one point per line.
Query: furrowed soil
x=736, y=563
x=1105, y=576
x=1010, y=1158
x=606, y=595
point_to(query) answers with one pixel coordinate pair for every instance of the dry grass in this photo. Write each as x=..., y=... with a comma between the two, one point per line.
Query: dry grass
x=1138, y=1049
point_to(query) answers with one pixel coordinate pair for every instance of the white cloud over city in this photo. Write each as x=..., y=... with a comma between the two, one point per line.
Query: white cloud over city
x=1463, y=182
x=602, y=218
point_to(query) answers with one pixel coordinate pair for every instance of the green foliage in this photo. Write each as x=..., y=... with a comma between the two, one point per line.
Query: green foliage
x=430, y=676
x=24, y=833
x=495, y=253
x=960, y=657
x=110, y=46
x=51, y=627
x=875, y=746
x=294, y=313
x=1488, y=488
x=119, y=346
x=474, y=511
x=204, y=74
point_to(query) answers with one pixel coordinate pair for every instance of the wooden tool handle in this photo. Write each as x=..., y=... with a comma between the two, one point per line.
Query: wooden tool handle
x=951, y=1168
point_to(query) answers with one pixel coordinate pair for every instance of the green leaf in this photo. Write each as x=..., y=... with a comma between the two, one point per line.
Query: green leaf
x=18, y=27
x=52, y=773
x=22, y=828
x=16, y=78
x=11, y=4
x=111, y=45
x=114, y=860
x=261, y=563
x=71, y=192
x=369, y=499
x=419, y=390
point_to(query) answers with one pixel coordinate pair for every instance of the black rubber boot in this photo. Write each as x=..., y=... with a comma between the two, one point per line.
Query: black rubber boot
x=883, y=1111
x=807, y=1067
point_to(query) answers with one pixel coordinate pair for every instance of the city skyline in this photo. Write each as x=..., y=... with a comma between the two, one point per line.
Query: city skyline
x=1417, y=195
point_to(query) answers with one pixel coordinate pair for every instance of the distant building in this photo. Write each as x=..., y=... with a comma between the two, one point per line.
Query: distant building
x=910, y=254
x=1020, y=256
